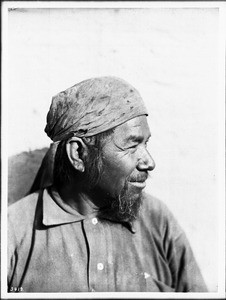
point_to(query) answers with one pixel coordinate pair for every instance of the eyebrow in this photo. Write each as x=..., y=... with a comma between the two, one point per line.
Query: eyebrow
x=136, y=138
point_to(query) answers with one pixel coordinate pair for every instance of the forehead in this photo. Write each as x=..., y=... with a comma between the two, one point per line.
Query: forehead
x=136, y=127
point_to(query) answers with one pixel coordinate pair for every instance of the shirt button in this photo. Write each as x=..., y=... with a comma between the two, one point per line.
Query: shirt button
x=94, y=221
x=100, y=266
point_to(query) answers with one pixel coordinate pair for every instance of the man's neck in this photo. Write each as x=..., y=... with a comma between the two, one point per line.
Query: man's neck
x=78, y=199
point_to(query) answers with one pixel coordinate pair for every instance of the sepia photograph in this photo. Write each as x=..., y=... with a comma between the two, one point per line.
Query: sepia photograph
x=113, y=158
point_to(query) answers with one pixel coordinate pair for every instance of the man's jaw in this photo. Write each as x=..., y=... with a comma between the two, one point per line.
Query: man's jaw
x=123, y=207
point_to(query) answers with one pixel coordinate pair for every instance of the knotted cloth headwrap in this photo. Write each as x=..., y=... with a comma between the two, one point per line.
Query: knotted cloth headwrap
x=86, y=109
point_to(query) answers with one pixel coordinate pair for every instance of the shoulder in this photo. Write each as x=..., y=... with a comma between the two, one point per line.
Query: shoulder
x=154, y=207
x=21, y=215
x=156, y=215
x=23, y=208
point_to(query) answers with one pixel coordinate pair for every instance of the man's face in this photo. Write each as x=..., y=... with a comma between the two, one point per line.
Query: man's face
x=126, y=161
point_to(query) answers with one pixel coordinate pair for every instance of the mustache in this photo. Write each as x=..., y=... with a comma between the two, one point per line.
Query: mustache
x=141, y=177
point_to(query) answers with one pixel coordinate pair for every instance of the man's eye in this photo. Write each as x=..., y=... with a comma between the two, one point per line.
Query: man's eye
x=133, y=146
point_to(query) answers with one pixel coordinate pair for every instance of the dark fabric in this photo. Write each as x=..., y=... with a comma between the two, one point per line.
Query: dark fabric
x=52, y=248
x=44, y=176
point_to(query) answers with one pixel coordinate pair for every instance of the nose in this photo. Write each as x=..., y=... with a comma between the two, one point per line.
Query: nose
x=146, y=162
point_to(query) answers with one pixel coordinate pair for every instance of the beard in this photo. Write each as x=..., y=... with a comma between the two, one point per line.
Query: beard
x=123, y=207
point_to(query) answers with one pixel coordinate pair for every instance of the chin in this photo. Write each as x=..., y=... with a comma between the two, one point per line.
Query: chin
x=134, y=193
x=124, y=207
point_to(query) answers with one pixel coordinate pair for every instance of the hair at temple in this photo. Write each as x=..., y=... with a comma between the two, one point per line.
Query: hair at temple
x=64, y=172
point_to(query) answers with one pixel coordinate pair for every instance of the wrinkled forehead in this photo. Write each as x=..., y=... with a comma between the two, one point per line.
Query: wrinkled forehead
x=134, y=129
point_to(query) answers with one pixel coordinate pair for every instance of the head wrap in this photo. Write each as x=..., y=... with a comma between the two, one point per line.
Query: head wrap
x=86, y=109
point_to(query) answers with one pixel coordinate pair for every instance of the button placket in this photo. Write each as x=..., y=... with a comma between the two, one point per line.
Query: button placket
x=96, y=238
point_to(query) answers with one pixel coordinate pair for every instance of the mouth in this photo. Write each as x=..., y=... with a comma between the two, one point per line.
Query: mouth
x=138, y=184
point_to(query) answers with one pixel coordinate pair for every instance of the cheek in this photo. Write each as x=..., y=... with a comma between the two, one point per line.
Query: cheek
x=117, y=171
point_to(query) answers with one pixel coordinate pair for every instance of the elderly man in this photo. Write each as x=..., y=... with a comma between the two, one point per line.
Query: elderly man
x=87, y=225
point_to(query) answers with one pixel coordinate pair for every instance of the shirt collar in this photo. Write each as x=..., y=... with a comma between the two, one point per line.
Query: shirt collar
x=58, y=212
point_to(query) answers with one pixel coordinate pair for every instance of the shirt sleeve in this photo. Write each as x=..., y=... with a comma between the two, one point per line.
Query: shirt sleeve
x=185, y=271
x=20, y=224
x=11, y=255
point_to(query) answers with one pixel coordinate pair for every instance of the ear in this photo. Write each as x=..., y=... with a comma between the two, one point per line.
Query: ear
x=73, y=147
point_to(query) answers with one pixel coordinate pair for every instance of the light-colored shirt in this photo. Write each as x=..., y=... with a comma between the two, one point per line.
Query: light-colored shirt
x=53, y=248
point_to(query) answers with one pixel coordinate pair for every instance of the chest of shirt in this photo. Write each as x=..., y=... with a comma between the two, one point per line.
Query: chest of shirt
x=94, y=255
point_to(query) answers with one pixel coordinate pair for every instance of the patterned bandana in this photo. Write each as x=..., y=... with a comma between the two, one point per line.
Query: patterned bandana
x=91, y=107
x=86, y=109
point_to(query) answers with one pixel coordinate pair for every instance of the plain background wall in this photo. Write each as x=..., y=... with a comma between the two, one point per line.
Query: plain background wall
x=170, y=56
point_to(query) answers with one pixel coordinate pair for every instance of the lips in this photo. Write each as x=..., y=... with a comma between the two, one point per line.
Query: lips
x=138, y=184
